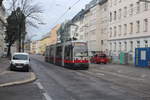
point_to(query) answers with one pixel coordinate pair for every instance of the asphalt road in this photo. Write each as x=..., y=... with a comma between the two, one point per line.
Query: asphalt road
x=22, y=92
x=58, y=83
x=64, y=84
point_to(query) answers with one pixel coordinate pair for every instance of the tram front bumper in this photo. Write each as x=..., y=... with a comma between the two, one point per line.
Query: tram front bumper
x=81, y=65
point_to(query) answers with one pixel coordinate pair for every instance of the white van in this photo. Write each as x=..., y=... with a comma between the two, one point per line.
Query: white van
x=20, y=61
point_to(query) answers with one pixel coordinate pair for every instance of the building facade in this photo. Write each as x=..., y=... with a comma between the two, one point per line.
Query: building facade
x=63, y=33
x=48, y=39
x=53, y=35
x=43, y=43
x=96, y=24
x=128, y=27
x=33, y=47
x=77, y=28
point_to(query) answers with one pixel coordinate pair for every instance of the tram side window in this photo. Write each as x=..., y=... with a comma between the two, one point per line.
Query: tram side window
x=59, y=52
x=46, y=52
x=68, y=52
x=50, y=52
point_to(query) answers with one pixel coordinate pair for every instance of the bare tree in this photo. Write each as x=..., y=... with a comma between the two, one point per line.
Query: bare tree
x=31, y=16
x=1, y=2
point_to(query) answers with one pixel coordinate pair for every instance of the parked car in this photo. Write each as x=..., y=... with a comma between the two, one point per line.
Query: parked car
x=20, y=61
x=100, y=58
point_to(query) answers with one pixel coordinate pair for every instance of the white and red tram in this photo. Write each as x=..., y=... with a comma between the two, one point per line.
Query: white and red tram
x=73, y=54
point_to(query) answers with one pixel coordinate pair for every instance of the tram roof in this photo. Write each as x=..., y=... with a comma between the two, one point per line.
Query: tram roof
x=68, y=42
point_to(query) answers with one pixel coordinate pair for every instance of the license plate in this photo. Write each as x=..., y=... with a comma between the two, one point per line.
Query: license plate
x=19, y=66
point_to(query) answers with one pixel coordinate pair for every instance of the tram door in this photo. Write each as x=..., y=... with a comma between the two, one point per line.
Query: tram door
x=68, y=55
x=51, y=55
x=58, y=58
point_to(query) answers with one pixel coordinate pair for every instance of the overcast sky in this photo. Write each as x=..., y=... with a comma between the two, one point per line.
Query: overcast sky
x=53, y=9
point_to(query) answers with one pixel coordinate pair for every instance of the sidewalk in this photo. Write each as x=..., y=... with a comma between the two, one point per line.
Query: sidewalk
x=126, y=70
x=9, y=78
x=4, y=64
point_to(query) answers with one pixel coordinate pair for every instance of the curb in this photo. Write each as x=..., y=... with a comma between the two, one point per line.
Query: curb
x=31, y=79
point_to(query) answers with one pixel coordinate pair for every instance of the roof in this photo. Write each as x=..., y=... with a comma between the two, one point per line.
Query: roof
x=45, y=36
x=93, y=3
x=79, y=16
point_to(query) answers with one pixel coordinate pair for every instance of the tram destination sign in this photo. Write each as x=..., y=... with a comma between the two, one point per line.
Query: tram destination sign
x=79, y=44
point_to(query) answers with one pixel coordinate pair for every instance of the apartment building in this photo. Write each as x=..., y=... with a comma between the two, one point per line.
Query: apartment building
x=77, y=28
x=103, y=23
x=128, y=27
x=39, y=46
x=27, y=47
x=96, y=24
x=53, y=35
x=43, y=43
x=33, y=47
x=63, y=33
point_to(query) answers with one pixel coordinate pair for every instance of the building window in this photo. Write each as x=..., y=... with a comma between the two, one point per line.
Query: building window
x=115, y=31
x=138, y=7
x=119, y=46
x=145, y=6
x=131, y=46
x=110, y=17
x=131, y=9
x=145, y=25
x=110, y=32
x=125, y=11
x=125, y=46
x=125, y=29
x=146, y=43
x=102, y=42
x=120, y=30
x=119, y=17
x=138, y=44
x=115, y=46
x=138, y=26
x=115, y=15
x=111, y=46
x=131, y=28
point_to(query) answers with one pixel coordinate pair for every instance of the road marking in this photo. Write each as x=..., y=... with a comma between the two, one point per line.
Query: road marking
x=40, y=85
x=119, y=71
x=47, y=97
x=123, y=76
x=101, y=74
x=143, y=76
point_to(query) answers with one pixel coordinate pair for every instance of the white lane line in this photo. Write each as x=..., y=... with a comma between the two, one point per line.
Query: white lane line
x=123, y=76
x=47, y=97
x=101, y=74
x=40, y=85
x=143, y=76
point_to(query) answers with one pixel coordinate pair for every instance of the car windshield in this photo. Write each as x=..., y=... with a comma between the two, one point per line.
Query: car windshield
x=80, y=51
x=20, y=57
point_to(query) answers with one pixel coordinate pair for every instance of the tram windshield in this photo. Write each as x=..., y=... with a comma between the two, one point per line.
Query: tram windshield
x=80, y=51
